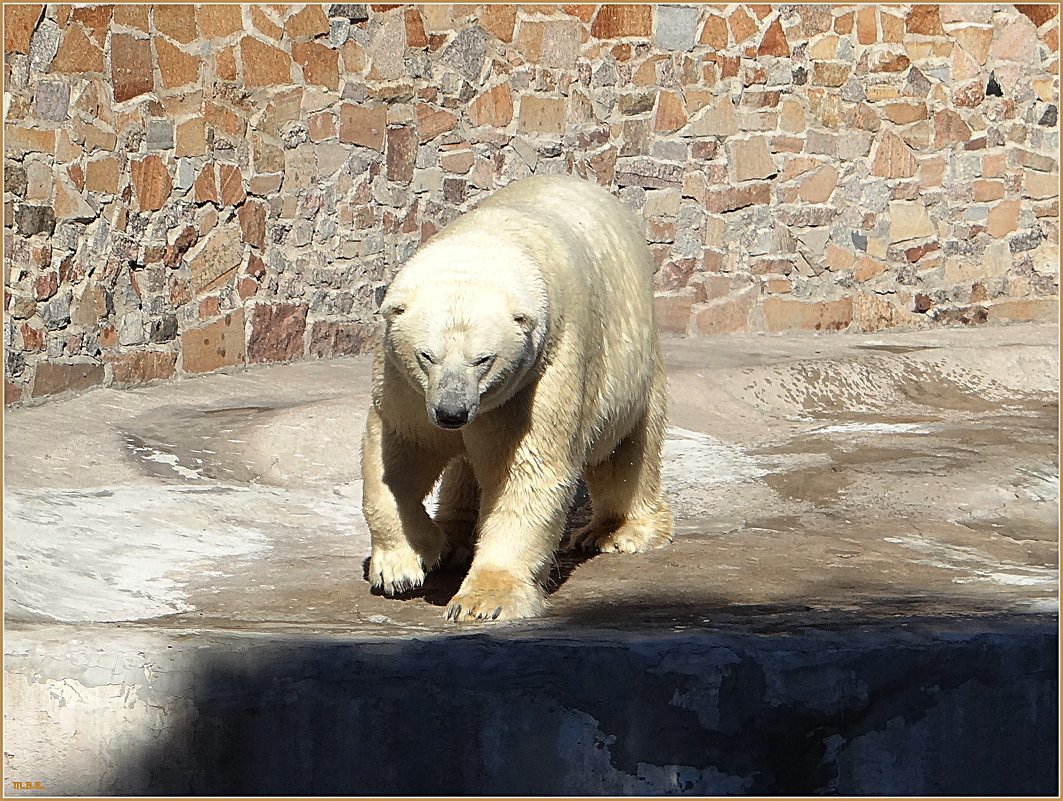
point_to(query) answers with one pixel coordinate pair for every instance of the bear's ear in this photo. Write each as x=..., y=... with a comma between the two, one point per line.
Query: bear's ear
x=392, y=310
x=524, y=320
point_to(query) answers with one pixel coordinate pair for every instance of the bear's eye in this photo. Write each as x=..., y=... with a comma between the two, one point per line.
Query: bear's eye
x=484, y=360
x=426, y=357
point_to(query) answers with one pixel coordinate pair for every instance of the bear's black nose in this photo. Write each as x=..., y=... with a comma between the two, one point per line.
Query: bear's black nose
x=451, y=416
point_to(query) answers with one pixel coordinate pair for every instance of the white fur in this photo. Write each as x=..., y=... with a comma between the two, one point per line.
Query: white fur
x=550, y=280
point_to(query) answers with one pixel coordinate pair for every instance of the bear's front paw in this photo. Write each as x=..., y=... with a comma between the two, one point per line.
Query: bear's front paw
x=396, y=570
x=496, y=595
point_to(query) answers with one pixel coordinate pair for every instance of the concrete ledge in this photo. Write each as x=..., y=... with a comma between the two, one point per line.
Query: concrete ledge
x=849, y=706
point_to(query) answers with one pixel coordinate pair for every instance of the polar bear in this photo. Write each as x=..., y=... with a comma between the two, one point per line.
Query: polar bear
x=519, y=354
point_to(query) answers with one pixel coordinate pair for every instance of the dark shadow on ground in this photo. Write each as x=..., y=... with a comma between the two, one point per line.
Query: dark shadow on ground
x=637, y=696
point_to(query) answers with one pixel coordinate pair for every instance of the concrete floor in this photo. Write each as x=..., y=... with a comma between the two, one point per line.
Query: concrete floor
x=180, y=554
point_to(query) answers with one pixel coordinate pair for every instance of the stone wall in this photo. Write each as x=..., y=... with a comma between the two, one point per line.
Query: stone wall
x=188, y=188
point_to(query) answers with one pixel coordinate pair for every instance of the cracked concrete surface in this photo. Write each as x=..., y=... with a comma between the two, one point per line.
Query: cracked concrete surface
x=860, y=520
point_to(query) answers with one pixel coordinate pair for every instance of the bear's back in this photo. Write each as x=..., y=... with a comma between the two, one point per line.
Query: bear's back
x=604, y=242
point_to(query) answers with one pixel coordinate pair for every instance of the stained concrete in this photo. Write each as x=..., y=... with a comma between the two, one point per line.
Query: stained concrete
x=862, y=596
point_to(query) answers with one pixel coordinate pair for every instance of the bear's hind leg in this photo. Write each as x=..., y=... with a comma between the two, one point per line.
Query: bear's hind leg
x=630, y=513
x=459, y=505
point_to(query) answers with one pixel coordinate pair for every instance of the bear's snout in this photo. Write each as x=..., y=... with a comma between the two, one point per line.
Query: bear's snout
x=451, y=416
x=456, y=404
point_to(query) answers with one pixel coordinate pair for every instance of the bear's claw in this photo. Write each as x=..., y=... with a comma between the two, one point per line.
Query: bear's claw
x=629, y=537
x=495, y=596
x=395, y=572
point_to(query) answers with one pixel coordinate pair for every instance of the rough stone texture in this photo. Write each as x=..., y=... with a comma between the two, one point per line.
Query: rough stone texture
x=131, y=67
x=215, y=345
x=676, y=27
x=867, y=527
x=264, y=65
x=56, y=377
x=814, y=154
x=613, y=21
x=151, y=182
x=19, y=23
x=363, y=126
x=781, y=314
x=276, y=333
x=339, y=338
x=142, y=367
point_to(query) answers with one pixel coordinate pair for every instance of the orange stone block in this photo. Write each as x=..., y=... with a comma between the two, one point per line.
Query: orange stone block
x=741, y=24
x=715, y=33
x=263, y=24
x=415, y=33
x=781, y=314
x=866, y=25
x=363, y=126
x=893, y=158
x=225, y=119
x=191, y=138
x=950, y=129
x=206, y=186
x=219, y=20
x=264, y=65
x=225, y=64
x=838, y=258
x=321, y=126
x=141, y=367
x=178, y=21
x=433, y=122
x=177, y=68
x=102, y=175
x=774, y=42
x=19, y=140
x=615, y=21
x=308, y=23
x=584, y=12
x=904, y=113
x=993, y=165
x=494, y=107
x=133, y=15
x=867, y=268
x=131, y=67
x=925, y=20
x=499, y=20
x=1003, y=218
x=96, y=20
x=726, y=315
x=51, y=378
x=231, y=185
x=320, y=64
x=892, y=27
x=818, y=187
x=151, y=182
x=78, y=53
x=671, y=115
x=988, y=190
x=1038, y=13
x=19, y=23
x=213, y=346
x=544, y=115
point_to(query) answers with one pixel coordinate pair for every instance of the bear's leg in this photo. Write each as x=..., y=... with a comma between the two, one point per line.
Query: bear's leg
x=459, y=503
x=631, y=514
x=525, y=493
x=397, y=476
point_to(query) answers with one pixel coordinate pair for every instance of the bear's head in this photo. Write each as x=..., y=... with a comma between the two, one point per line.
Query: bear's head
x=465, y=322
